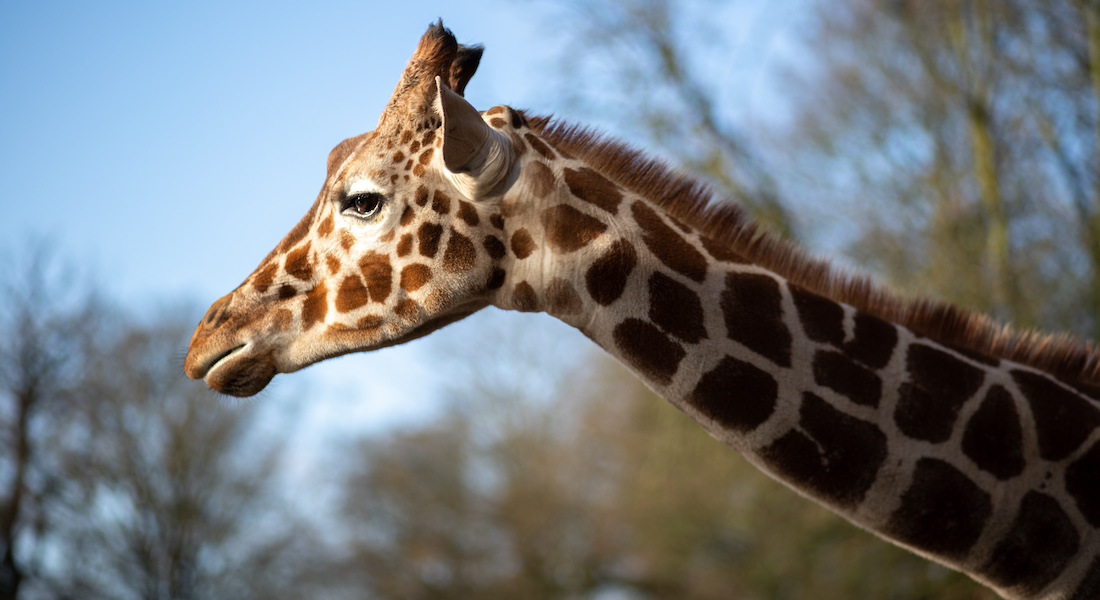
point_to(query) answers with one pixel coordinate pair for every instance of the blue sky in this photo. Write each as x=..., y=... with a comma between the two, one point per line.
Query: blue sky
x=167, y=147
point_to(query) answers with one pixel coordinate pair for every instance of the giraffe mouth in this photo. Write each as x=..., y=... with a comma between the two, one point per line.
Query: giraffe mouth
x=222, y=358
x=236, y=371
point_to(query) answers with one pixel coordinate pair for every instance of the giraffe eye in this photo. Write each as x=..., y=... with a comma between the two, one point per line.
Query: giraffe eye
x=362, y=205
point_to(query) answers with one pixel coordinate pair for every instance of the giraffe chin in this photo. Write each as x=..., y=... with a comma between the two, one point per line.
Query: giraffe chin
x=240, y=375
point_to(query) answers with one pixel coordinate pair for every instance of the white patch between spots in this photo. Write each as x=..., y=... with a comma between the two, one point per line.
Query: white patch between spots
x=849, y=323
x=362, y=186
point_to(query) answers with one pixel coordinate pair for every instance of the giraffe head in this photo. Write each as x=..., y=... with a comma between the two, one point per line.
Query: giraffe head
x=404, y=237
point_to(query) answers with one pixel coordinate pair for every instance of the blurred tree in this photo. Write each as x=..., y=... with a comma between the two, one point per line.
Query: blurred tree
x=498, y=498
x=604, y=489
x=662, y=68
x=975, y=128
x=124, y=479
x=170, y=494
x=45, y=319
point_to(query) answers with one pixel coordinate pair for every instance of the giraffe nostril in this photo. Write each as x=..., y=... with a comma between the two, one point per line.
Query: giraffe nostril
x=216, y=315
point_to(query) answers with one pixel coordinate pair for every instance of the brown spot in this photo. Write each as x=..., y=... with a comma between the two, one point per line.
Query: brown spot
x=429, y=137
x=539, y=146
x=498, y=122
x=497, y=220
x=314, y=307
x=736, y=394
x=942, y=512
x=421, y=196
x=407, y=216
x=407, y=310
x=874, y=341
x=378, y=274
x=415, y=276
x=398, y=156
x=651, y=352
x=753, y=311
x=496, y=279
x=441, y=203
x=675, y=309
x=509, y=206
x=993, y=438
x=264, y=277
x=540, y=179
x=568, y=229
x=283, y=319
x=333, y=264
x=1083, y=484
x=517, y=143
x=298, y=264
x=370, y=322
x=414, y=146
x=522, y=244
x=406, y=136
x=460, y=255
x=468, y=213
x=419, y=170
x=938, y=386
x=494, y=247
x=833, y=455
x=405, y=245
x=563, y=300
x=408, y=165
x=669, y=246
x=496, y=110
x=847, y=378
x=429, y=235
x=1037, y=549
x=426, y=156
x=325, y=228
x=387, y=237
x=286, y=291
x=347, y=240
x=351, y=295
x=524, y=297
x=517, y=119
x=606, y=279
x=822, y=319
x=1063, y=419
x=594, y=188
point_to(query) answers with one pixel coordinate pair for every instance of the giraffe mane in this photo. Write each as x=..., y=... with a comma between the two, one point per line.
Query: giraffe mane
x=694, y=202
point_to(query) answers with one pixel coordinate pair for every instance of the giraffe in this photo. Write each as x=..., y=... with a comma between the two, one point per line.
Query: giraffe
x=931, y=426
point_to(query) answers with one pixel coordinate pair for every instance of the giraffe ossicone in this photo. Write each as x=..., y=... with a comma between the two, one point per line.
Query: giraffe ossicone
x=931, y=426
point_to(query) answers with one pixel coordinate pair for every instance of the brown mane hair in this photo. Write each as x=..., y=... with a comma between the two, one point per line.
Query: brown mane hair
x=693, y=202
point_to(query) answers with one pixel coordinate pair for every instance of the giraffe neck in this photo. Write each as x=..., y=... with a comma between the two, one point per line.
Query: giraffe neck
x=977, y=462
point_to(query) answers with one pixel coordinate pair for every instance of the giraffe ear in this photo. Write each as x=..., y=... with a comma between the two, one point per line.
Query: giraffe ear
x=463, y=67
x=481, y=158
